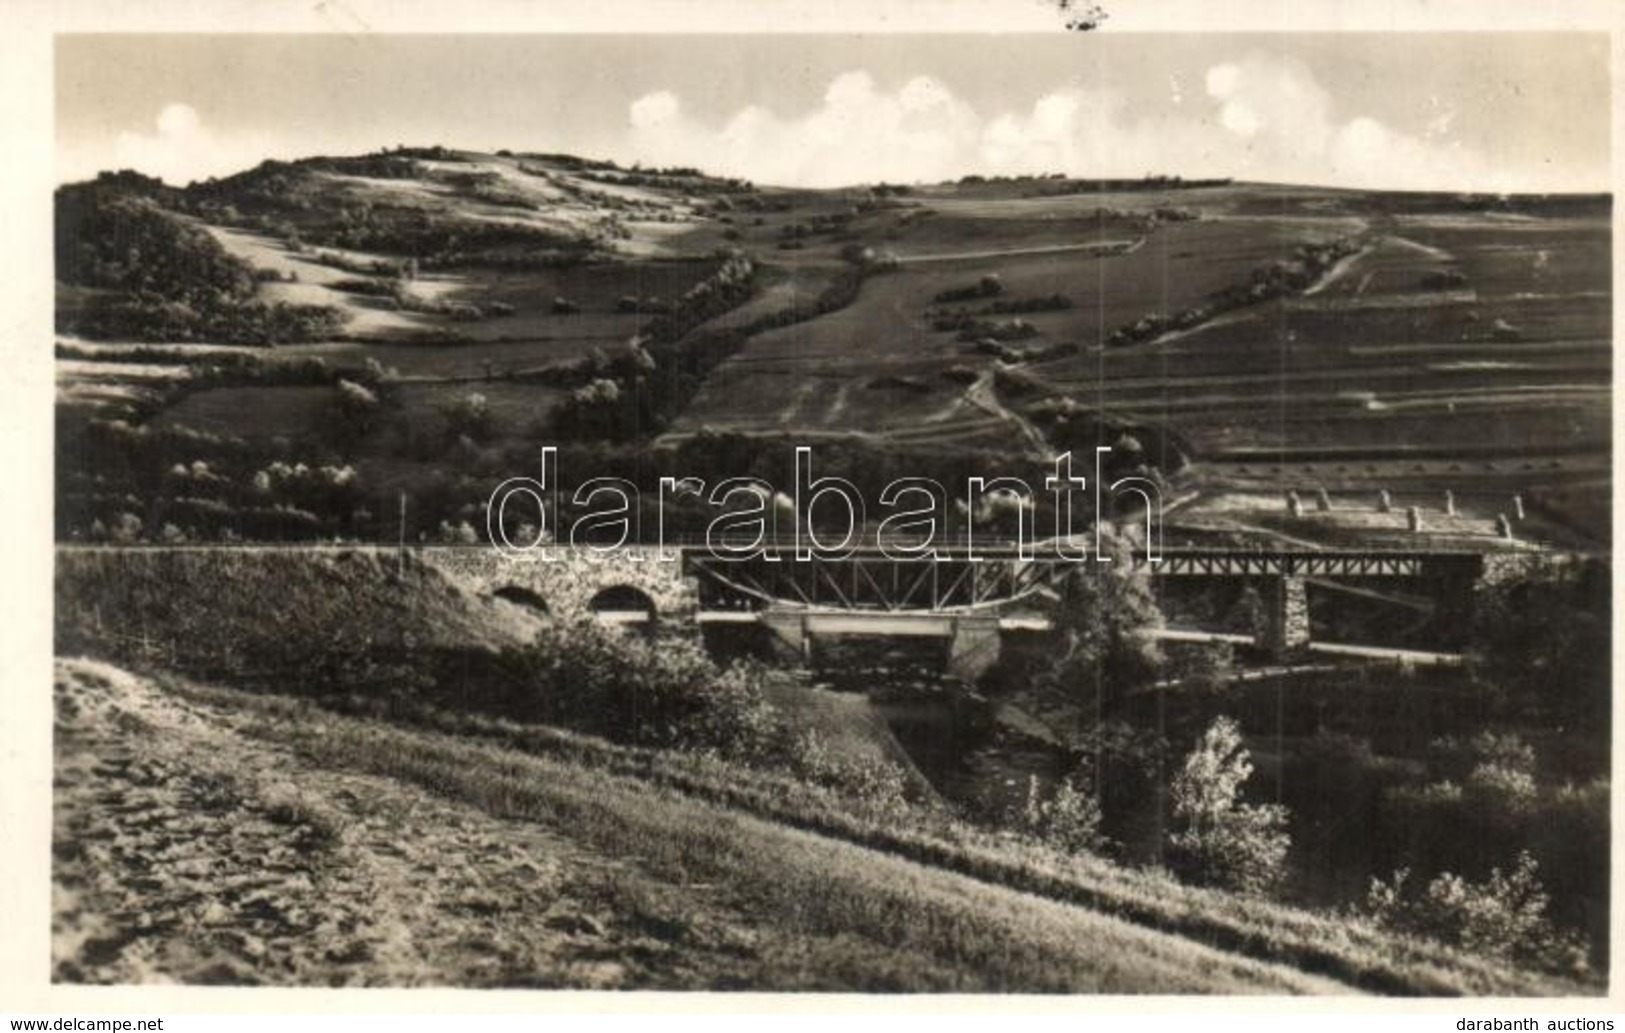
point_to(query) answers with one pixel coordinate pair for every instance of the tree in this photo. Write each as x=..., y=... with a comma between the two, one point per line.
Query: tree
x=127, y=527
x=468, y=416
x=1541, y=633
x=459, y=534
x=1248, y=615
x=1102, y=620
x=357, y=405
x=1218, y=840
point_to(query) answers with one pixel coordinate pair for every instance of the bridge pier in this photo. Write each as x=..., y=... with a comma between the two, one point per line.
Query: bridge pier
x=1286, y=615
x=789, y=628
x=974, y=647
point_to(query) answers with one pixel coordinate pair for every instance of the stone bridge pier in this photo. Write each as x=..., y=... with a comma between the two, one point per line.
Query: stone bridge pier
x=1286, y=615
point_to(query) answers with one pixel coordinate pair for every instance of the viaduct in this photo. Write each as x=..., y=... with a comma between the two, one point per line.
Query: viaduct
x=965, y=603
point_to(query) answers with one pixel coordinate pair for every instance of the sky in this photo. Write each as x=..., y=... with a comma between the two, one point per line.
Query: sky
x=1454, y=111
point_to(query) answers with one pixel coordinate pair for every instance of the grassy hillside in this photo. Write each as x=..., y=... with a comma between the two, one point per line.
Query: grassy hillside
x=816, y=842
x=749, y=902
x=566, y=876
x=219, y=606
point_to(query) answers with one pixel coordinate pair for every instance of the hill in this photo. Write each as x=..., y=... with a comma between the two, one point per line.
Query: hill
x=1250, y=337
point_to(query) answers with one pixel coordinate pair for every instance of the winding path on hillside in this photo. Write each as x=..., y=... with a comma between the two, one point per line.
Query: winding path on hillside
x=984, y=395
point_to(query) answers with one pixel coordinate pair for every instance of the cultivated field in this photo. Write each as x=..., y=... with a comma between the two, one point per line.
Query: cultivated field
x=1263, y=338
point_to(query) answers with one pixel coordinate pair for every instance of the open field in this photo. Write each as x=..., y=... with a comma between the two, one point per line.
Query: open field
x=1373, y=357
x=849, y=360
x=302, y=280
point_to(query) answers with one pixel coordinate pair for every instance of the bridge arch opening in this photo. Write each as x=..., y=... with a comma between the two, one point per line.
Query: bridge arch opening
x=524, y=597
x=624, y=605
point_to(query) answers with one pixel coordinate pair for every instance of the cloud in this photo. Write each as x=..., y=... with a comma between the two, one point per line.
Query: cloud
x=858, y=133
x=181, y=148
x=1260, y=117
x=654, y=112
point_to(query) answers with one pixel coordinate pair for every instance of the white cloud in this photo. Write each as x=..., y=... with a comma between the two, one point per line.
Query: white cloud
x=1240, y=119
x=1221, y=79
x=859, y=133
x=654, y=111
x=1263, y=117
x=181, y=147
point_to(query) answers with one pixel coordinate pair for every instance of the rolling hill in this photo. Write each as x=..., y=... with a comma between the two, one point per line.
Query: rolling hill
x=1253, y=337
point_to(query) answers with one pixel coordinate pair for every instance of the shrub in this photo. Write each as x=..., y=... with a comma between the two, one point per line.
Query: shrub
x=468, y=416
x=1483, y=786
x=597, y=679
x=1217, y=839
x=126, y=527
x=1068, y=820
x=732, y=718
x=1504, y=916
x=877, y=783
x=1444, y=279
x=461, y=533
x=1540, y=633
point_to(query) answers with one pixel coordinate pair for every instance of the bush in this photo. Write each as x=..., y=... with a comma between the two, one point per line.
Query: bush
x=877, y=783
x=1068, y=820
x=1541, y=634
x=1504, y=916
x=597, y=679
x=1217, y=839
x=989, y=286
x=468, y=416
x=1481, y=787
x=1482, y=792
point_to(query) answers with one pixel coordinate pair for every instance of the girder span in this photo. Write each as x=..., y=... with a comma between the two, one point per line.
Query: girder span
x=953, y=586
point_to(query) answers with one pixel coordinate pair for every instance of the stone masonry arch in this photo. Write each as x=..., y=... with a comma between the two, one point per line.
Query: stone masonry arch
x=568, y=582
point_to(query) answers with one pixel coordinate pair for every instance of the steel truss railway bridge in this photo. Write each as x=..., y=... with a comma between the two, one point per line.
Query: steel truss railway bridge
x=970, y=599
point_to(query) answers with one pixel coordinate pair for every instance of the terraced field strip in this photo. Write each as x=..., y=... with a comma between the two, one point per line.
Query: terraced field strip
x=1099, y=247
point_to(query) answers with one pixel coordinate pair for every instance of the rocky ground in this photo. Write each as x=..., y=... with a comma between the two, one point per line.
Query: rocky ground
x=187, y=851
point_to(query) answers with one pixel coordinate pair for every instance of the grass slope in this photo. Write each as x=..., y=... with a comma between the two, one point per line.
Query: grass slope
x=748, y=902
x=107, y=598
